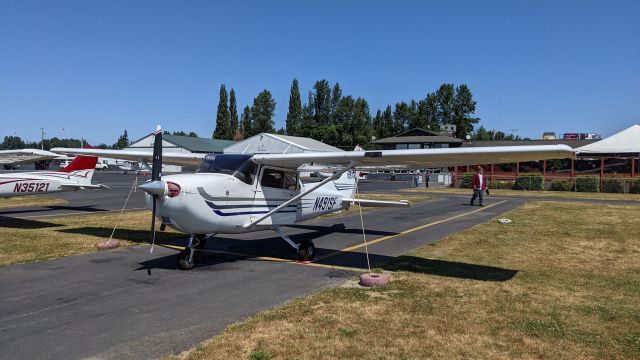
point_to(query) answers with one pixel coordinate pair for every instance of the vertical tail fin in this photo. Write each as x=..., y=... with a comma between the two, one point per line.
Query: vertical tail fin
x=80, y=163
x=346, y=184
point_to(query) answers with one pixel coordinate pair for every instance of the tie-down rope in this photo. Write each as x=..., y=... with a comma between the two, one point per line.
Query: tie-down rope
x=364, y=236
x=133, y=186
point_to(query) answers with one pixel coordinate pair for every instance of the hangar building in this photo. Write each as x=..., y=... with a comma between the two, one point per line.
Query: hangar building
x=265, y=143
x=181, y=144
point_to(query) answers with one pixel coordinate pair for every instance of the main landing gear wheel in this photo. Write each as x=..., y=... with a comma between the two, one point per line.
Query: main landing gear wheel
x=306, y=251
x=185, y=260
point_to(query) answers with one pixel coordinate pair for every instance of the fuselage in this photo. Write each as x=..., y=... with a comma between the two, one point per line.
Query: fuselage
x=40, y=182
x=221, y=203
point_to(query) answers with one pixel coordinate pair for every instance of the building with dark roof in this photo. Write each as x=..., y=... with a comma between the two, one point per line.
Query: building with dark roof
x=418, y=139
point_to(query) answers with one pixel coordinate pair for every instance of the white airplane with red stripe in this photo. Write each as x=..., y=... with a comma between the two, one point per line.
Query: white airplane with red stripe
x=76, y=176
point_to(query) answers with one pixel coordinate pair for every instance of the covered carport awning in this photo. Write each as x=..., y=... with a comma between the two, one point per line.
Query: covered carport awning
x=626, y=143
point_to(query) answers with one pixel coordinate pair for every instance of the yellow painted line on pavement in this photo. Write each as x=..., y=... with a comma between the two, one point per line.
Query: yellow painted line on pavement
x=273, y=259
x=405, y=232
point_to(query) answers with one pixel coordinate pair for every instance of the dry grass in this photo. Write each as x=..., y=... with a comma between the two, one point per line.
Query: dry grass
x=27, y=240
x=30, y=200
x=561, y=281
x=554, y=194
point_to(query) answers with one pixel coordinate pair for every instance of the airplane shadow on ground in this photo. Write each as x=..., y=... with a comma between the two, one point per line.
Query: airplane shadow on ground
x=17, y=223
x=138, y=236
x=228, y=250
x=449, y=269
x=81, y=209
x=220, y=250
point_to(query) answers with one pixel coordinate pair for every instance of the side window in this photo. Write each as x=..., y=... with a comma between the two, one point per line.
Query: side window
x=291, y=181
x=272, y=178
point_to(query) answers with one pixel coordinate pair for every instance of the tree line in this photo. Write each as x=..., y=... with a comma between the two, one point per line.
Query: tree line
x=343, y=120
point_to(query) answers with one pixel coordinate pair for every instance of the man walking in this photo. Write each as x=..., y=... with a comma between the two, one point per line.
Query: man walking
x=479, y=183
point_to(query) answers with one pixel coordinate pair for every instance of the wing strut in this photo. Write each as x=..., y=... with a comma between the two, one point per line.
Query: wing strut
x=299, y=196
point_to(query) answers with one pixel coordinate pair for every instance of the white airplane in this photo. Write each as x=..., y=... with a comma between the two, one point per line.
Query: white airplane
x=238, y=193
x=76, y=176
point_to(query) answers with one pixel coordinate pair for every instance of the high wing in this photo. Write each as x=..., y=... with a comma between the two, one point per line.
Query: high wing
x=20, y=156
x=172, y=158
x=424, y=158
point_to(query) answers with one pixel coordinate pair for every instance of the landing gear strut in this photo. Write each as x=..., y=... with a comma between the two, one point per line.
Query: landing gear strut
x=306, y=250
x=185, y=258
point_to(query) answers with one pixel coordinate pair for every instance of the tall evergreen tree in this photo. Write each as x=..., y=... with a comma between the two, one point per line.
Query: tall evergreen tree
x=387, y=121
x=401, y=117
x=233, y=115
x=222, y=117
x=245, y=124
x=413, y=115
x=336, y=95
x=377, y=125
x=262, y=113
x=322, y=102
x=446, y=104
x=427, y=115
x=464, y=107
x=123, y=141
x=361, y=122
x=308, y=121
x=343, y=120
x=294, y=116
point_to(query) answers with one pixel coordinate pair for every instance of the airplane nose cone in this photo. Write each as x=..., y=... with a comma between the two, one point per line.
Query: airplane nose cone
x=157, y=188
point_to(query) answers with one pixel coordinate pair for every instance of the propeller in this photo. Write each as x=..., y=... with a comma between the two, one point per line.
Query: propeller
x=156, y=187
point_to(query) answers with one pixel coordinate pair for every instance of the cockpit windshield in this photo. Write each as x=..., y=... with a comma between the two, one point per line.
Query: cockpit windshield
x=238, y=165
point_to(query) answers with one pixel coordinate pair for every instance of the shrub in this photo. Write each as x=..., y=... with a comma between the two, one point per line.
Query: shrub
x=634, y=188
x=588, y=184
x=467, y=181
x=529, y=182
x=501, y=185
x=560, y=185
x=612, y=186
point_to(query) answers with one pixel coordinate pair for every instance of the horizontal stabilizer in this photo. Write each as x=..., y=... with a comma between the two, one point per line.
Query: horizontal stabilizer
x=81, y=187
x=376, y=203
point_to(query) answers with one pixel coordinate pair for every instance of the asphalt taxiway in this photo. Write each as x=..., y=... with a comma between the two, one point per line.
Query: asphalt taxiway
x=106, y=305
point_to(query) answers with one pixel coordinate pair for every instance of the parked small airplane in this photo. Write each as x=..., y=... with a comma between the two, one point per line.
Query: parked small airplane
x=238, y=193
x=76, y=176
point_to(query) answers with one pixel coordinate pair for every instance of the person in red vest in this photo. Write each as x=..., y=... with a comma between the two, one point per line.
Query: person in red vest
x=479, y=183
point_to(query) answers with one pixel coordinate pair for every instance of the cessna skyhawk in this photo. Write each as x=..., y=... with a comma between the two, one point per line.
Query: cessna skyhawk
x=238, y=193
x=75, y=176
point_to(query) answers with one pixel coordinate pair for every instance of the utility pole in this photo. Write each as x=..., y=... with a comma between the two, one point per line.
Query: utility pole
x=42, y=138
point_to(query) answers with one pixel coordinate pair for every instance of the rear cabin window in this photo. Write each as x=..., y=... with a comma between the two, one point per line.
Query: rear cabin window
x=279, y=179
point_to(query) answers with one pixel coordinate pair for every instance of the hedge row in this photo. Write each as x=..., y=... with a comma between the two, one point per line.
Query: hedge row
x=560, y=185
x=529, y=182
x=587, y=183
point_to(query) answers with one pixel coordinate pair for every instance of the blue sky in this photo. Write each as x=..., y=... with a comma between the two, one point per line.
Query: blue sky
x=95, y=67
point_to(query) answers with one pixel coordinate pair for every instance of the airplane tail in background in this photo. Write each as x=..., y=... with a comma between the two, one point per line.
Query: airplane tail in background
x=83, y=166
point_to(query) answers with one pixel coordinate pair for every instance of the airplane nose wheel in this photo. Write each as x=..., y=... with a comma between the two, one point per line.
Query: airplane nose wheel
x=306, y=251
x=185, y=259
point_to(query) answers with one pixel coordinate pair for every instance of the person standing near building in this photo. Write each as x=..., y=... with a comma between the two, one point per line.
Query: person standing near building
x=479, y=183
